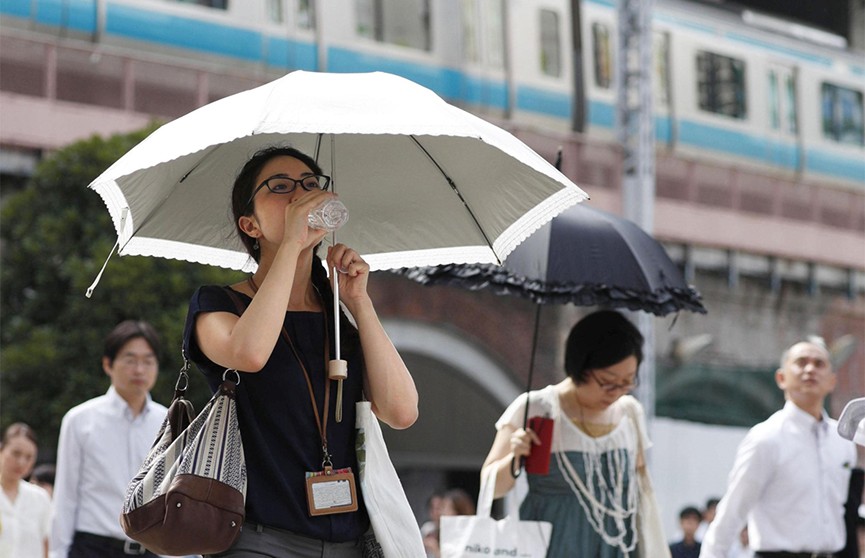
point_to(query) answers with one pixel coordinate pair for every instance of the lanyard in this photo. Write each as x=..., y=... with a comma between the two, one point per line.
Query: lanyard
x=320, y=422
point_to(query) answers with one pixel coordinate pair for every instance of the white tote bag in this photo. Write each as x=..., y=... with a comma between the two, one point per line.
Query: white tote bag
x=481, y=535
x=392, y=519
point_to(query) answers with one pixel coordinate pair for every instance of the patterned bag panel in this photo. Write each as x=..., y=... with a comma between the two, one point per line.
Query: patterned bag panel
x=217, y=451
x=196, y=450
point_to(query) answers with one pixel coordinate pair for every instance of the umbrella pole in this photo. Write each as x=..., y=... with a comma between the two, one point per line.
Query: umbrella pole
x=532, y=362
x=517, y=467
x=337, y=369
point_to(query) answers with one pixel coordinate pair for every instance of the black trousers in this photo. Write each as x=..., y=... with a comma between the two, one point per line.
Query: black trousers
x=88, y=545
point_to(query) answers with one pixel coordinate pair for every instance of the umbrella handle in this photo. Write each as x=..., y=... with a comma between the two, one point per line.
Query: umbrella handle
x=335, y=280
x=516, y=467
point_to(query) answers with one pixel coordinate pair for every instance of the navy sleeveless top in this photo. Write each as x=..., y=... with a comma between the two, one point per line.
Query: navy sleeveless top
x=281, y=441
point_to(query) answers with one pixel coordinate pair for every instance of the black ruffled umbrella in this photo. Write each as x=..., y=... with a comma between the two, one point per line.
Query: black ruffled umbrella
x=586, y=257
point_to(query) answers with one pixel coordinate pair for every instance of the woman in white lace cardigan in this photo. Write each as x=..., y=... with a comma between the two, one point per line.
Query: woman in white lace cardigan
x=590, y=493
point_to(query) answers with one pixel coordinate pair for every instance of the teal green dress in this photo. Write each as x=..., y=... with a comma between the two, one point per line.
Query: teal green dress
x=604, y=466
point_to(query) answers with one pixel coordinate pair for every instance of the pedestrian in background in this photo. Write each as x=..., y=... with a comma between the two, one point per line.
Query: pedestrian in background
x=708, y=518
x=790, y=477
x=590, y=494
x=689, y=521
x=25, y=509
x=43, y=476
x=102, y=444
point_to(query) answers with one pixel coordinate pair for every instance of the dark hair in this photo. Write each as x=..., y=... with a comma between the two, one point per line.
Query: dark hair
x=126, y=331
x=691, y=511
x=712, y=502
x=599, y=340
x=18, y=429
x=44, y=473
x=244, y=185
x=463, y=503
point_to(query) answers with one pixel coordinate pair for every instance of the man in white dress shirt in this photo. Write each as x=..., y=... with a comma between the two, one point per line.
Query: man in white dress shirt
x=790, y=478
x=103, y=442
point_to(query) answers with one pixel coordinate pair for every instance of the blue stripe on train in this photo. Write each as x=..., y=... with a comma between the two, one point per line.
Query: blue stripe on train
x=172, y=30
x=78, y=15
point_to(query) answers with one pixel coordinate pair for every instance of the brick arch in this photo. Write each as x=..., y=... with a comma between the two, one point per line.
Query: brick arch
x=448, y=347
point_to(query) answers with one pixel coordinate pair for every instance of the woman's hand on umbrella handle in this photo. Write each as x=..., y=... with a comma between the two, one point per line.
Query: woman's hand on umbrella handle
x=521, y=446
x=522, y=441
x=352, y=271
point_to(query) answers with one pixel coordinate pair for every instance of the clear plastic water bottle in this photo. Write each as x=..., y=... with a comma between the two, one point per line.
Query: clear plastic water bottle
x=328, y=216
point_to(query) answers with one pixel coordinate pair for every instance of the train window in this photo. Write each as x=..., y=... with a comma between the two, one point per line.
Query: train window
x=842, y=114
x=661, y=54
x=721, y=84
x=305, y=14
x=602, y=52
x=471, y=39
x=483, y=33
x=551, y=61
x=274, y=11
x=774, y=101
x=397, y=22
x=790, y=92
x=782, y=100
x=217, y=4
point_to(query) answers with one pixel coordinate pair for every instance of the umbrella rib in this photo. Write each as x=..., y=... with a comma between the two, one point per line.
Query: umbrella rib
x=459, y=194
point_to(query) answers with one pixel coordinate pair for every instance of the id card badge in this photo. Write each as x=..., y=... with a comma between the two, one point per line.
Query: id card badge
x=331, y=491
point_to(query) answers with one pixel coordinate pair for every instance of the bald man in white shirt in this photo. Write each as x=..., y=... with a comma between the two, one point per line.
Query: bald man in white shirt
x=790, y=478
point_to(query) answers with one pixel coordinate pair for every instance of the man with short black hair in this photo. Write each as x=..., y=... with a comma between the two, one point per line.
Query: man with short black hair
x=790, y=476
x=102, y=444
x=688, y=547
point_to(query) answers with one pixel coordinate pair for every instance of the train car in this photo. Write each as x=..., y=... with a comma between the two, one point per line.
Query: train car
x=728, y=85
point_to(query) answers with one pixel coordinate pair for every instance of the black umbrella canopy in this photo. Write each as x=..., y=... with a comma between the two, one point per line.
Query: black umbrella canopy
x=584, y=256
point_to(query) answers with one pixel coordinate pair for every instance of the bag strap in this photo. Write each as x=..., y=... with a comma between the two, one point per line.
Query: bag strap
x=183, y=376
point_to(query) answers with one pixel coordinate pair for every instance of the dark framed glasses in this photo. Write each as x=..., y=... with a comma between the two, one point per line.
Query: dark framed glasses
x=612, y=388
x=282, y=184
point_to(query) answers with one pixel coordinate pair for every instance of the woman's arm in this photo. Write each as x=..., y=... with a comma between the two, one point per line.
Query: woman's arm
x=510, y=446
x=246, y=342
x=387, y=382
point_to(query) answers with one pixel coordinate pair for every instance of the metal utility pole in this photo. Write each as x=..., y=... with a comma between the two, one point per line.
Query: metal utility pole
x=636, y=133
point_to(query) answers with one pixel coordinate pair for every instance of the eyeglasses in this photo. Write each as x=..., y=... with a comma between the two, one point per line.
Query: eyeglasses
x=130, y=361
x=282, y=184
x=612, y=388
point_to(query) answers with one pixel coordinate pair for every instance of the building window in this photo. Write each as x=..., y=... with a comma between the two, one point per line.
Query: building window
x=721, y=84
x=397, y=22
x=602, y=53
x=551, y=60
x=842, y=114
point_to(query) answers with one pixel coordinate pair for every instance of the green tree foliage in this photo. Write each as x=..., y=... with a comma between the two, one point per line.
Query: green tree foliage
x=55, y=234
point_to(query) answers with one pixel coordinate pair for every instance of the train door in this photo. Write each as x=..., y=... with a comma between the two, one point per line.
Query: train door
x=782, y=122
x=482, y=58
x=662, y=89
x=540, y=65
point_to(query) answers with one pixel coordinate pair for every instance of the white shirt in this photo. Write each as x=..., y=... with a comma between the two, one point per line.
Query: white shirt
x=100, y=450
x=789, y=483
x=26, y=523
